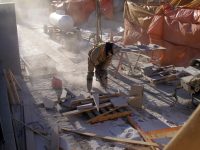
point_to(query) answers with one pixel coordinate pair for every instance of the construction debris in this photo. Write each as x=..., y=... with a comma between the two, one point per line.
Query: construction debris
x=113, y=139
x=153, y=38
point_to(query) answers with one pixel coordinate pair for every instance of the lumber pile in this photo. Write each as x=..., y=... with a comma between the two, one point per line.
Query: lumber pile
x=100, y=108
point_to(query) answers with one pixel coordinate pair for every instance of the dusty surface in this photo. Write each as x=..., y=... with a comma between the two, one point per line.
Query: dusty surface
x=47, y=58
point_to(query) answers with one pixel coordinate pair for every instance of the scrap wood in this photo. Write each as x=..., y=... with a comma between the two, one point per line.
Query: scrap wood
x=108, y=138
x=98, y=116
x=75, y=112
x=163, y=133
x=140, y=131
x=110, y=116
x=102, y=99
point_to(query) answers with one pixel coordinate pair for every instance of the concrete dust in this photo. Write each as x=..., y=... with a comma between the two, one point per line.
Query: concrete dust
x=47, y=58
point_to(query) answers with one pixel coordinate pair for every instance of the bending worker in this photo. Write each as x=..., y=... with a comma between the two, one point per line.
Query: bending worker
x=99, y=59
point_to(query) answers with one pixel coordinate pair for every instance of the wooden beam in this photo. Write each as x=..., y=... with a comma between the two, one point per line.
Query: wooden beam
x=110, y=116
x=108, y=138
x=140, y=131
x=108, y=112
x=163, y=133
x=75, y=112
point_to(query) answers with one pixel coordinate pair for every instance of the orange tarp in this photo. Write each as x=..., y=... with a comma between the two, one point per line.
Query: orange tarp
x=176, y=30
x=179, y=32
x=80, y=10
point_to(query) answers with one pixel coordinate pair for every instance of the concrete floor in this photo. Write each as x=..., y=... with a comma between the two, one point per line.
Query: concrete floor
x=47, y=58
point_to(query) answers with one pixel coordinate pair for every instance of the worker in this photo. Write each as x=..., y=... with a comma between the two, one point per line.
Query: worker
x=99, y=59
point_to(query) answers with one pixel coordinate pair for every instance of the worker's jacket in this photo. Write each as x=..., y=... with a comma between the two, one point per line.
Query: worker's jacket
x=98, y=58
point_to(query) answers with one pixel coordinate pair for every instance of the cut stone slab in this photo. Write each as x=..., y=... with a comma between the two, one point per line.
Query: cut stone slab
x=119, y=101
x=64, y=94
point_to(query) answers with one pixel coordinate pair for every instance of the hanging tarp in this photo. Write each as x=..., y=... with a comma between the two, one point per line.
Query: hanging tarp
x=80, y=10
x=136, y=22
x=179, y=32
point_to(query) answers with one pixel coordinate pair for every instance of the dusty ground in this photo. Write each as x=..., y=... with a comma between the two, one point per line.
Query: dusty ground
x=47, y=58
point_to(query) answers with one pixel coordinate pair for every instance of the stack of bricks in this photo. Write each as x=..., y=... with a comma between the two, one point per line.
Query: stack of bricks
x=136, y=95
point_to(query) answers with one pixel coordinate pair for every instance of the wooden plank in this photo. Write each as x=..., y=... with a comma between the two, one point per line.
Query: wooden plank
x=140, y=131
x=75, y=112
x=95, y=97
x=5, y=115
x=163, y=133
x=108, y=138
x=111, y=116
x=108, y=112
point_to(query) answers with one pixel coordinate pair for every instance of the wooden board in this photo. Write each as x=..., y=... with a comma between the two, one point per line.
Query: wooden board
x=140, y=131
x=110, y=116
x=163, y=133
x=100, y=115
x=108, y=138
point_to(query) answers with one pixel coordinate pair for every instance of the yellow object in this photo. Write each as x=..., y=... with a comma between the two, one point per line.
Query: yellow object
x=188, y=136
